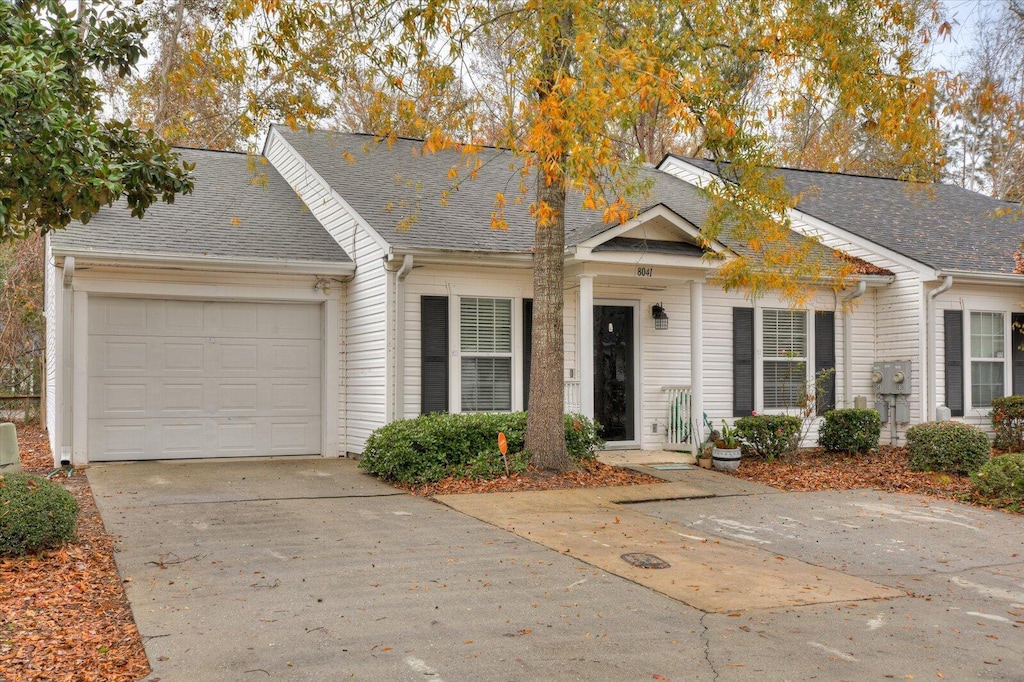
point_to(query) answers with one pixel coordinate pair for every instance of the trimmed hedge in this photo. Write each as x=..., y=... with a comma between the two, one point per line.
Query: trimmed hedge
x=439, y=445
x=1008, y=421
x=850, y=430
x=947, y=446
x=35, y=514
x=768, y=435
x=1001, y=481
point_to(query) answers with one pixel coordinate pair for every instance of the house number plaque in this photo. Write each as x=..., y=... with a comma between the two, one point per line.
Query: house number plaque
x=644, y=272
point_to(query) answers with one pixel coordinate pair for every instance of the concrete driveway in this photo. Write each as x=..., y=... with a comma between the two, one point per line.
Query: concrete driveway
x=308, y=569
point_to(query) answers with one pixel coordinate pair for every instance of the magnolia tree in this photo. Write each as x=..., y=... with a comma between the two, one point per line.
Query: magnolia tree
x=576, y=73
x=60, y=160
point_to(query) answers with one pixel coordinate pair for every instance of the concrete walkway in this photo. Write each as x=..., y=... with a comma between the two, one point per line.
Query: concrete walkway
x=307, y=569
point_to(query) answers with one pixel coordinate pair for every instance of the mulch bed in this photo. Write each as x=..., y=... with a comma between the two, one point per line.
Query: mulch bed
x=63, y=613
x=885, y=469
x=592, y=474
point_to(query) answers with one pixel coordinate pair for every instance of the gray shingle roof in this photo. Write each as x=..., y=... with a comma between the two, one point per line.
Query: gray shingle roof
x=231, y=213
x=943, y=226
x=631, y=245
x=388, y=184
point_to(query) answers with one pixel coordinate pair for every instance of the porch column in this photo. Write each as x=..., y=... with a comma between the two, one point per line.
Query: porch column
x=696, y=364
x=585, y=347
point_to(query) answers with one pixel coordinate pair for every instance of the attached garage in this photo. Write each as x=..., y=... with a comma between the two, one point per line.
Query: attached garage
x=211, y=328
x=182, y=379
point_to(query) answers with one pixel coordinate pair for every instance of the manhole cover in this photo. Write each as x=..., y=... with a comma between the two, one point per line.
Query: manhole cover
x=644, y=560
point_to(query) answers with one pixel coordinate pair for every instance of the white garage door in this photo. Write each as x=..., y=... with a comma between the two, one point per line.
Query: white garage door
x=179, y=379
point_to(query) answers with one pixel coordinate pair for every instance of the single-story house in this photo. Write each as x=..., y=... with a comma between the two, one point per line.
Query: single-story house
x=299, y=300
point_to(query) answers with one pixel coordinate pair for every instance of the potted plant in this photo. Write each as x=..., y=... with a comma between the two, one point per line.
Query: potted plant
x=726, y=455
x=706, y=449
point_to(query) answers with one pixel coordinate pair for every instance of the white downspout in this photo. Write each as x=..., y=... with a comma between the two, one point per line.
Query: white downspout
x=929, y=344
x=67, y=361
x=848, y=342
x=398, y=404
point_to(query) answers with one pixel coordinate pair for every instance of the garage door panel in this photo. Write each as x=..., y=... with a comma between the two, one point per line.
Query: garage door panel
x=203, y=437
x=181, y=379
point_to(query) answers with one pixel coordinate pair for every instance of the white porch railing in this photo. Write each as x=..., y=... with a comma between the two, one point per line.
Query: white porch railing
x=680, y=425
x=572, y=397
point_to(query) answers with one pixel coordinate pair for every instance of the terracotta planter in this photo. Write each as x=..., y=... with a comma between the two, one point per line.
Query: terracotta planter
x=704, y=462
x=726, y=459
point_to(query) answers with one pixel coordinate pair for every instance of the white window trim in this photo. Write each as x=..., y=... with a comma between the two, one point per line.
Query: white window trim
x=759, y=356
x=455, y=348
x=971, y=409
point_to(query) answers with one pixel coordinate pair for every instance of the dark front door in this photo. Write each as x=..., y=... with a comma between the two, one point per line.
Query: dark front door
x=613, y=371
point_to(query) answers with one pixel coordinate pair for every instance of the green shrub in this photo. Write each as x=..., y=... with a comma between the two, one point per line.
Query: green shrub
x=947, y=446
x=850, y=430
x=1008, y=421
x=1001, y=481
x=768, y=435
x=34, y=514
x=439, y=445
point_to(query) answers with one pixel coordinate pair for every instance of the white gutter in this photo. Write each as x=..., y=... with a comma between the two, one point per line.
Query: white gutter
x=67, y=328
x=930, y=344
x=848, y=342
x=398, y=392
x=983, y=277
x=196, y=262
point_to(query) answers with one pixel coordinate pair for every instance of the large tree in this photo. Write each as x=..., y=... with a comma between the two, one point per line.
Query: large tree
x=581, y=71
x=60, y=160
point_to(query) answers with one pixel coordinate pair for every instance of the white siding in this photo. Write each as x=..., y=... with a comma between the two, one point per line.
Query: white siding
x=718, y=365
x=50, y=283
x=363, y=383
x=968, y=298
x=442, y=280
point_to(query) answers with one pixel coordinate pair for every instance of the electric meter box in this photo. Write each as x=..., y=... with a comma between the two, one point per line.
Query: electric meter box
x=891, y=377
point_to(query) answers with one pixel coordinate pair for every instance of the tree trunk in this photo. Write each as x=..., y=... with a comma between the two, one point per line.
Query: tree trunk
x=545, y=424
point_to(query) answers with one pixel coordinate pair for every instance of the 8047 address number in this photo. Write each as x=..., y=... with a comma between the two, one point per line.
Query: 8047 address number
x=644, y=272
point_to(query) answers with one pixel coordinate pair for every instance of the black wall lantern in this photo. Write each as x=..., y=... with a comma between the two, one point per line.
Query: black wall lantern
x=660, y=316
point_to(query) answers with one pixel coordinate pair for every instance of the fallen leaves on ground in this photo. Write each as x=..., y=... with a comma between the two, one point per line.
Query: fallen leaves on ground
x=592, y=474
x=884, y=469
x=64, y=613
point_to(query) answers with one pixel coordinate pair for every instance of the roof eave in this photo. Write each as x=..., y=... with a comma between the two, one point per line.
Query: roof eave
x=199, y=262
x=998, y=278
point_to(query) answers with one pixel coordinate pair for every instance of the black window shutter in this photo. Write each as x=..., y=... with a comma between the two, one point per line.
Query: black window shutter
x=953, y=332
x=433, y=354
x=825, y=358
x=1017, y=351
x=527, y=348
x=742, y=362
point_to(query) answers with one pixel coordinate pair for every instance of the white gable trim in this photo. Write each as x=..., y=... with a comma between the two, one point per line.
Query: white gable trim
x=811, y=226
x=275, y=137
x=804, y=223
x=585, y=249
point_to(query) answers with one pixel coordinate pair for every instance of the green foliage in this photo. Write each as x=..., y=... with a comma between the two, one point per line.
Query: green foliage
x=440, y=445
x=1001, y=481
x=727, y=439
x=62, y=160
x=850, y=430
x=947, y=446
x=34, y=514
x=768, y=435
x=1008, y=422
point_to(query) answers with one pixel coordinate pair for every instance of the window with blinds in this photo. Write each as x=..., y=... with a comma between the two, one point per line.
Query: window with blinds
x=485, y=332
x=988, y=358
x=783, y=357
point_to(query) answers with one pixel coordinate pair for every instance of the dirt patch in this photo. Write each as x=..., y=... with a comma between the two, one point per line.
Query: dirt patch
x=64, y=613
x=592, y=474
x=885, y=469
